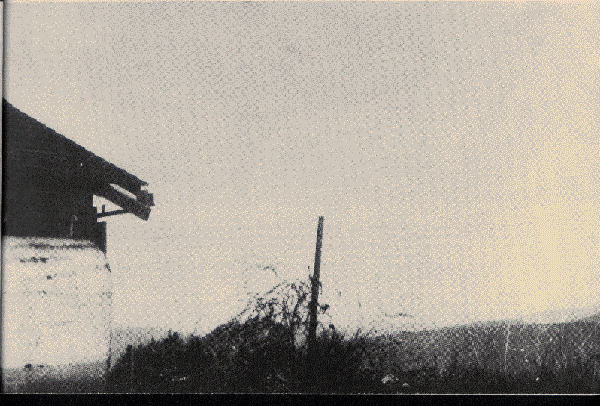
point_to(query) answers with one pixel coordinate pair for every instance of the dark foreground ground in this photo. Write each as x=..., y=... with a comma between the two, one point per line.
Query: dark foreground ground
x=471, y=382
x=254, y=357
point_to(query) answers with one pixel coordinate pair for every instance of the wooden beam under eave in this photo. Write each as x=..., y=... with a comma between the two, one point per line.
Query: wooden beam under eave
x=110, y=213
x=104, y=171
x=124, y=201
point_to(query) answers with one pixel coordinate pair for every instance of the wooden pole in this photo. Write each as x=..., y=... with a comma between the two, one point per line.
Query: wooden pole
x=312, y=327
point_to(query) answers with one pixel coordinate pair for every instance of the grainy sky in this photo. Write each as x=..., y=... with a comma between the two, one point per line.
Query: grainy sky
x=451, y=147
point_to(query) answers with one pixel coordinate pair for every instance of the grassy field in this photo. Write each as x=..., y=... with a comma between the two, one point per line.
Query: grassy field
x=498, y=357
x=257, y=357
x=254, y=357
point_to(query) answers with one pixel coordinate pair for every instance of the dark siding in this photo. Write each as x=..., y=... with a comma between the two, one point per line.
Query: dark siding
x=47, y=211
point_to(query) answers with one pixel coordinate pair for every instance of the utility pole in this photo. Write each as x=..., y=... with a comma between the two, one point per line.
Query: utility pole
x=312, y=326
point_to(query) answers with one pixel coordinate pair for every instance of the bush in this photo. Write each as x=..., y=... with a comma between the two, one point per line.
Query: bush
x=261, y=350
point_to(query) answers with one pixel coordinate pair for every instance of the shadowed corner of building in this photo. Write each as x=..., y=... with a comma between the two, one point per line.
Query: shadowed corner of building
x=49, y=223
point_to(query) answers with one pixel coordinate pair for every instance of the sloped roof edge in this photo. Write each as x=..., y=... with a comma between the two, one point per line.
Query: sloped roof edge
x=96, y=165
x=27, y=143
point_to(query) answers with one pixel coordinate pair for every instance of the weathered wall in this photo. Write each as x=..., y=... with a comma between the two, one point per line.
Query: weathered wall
x=56, y=310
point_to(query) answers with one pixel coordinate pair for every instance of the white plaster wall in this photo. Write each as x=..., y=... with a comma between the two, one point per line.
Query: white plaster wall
x=56, y=304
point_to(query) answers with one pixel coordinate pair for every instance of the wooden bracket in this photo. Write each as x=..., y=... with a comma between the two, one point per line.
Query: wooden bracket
x=111, y=213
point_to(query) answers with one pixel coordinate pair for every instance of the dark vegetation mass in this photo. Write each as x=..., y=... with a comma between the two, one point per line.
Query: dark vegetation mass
x=260, y=351
x=263, y=350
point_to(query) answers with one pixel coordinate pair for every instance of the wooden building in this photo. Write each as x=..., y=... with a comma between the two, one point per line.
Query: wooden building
x=49, y=183
x=57, y=289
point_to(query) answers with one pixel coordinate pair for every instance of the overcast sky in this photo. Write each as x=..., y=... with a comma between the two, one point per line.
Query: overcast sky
x=451, y=147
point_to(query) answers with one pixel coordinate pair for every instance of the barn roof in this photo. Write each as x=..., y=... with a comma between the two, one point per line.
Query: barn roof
x=30, y=144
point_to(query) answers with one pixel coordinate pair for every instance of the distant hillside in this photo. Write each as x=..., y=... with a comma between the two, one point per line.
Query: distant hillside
x=563, y=316
x=484, y=344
